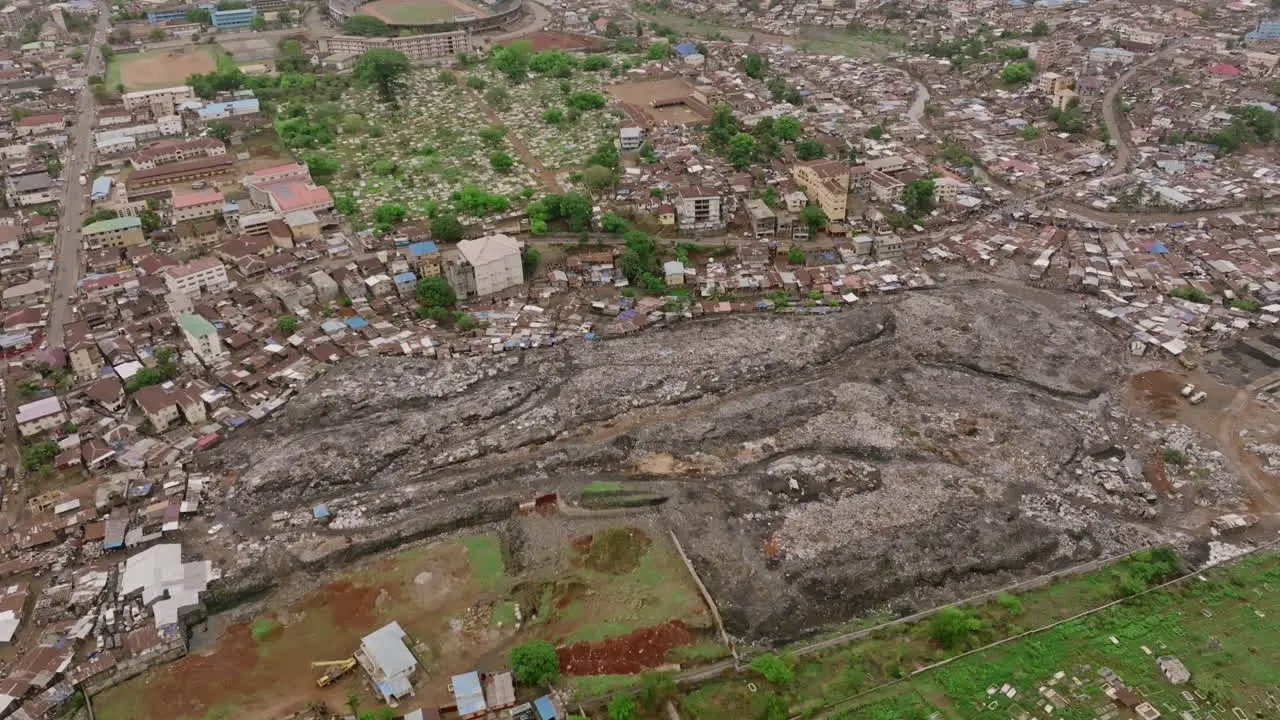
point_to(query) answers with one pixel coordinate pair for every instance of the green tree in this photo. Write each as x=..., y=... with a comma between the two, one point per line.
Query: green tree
x=475, y=82
x=753, y=66
x=529, y=260
x=156, y=35
x=389, y=213
x=366, y=25
x=656, y=689
x=795, y=255
x=287, y=324
x=320, y=164
x=535, y=662
x=435, y=292
x=918, y=196
x=346, y=205
x=220, y=129
x=1013, y=52
x=658, y=50
x=199, y=15
x=951, y=627
x=512, y=60
x=445, y=227
x=810, y=150
x=722, y=128
x=258, y=23
x=1029, y=132
x=383, y=69
x=553, y=116
x=742, y=151
x=787, y=128
x=1017, y=72
x=446, y=78
x=501, y=161
x=597, y=178
x=39, y=455
x=498, y=98
x=493, y=135
x=613, y=223
x=774, y=669
x=621, y=707
x=1040, y=29
x=285, y=17
x=99, y=215
x=875, y=132
x=813, y=216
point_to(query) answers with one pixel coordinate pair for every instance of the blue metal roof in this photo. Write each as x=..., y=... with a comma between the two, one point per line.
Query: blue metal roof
x=357, y=322
x=546, y=711
x=404, y=277
x=468, y=694
x=101, y=187
x=426, y=247
x=320, y=511
x=686, y=48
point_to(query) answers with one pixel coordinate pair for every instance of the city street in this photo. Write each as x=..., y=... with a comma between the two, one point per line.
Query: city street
x=66, y=271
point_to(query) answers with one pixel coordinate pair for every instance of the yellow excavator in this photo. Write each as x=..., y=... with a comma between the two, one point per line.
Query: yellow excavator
x=336, y=669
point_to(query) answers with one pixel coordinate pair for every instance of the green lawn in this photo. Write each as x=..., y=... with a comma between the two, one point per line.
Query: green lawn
x=488, y=570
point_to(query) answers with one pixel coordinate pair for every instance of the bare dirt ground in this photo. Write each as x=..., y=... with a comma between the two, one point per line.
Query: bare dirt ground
x=915, y=449
x=420, y=12
x=642, y=93
x=164, y=67
x=550, y=40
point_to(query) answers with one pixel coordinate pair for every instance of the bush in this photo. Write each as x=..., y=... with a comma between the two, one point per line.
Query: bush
x=535, y=662
x=795, y=256
x=621, y=707
x=952, y=626
x=1175, y=457
x=262, y=627
x=1193, y=294
x=1010, y=603
x=656, y=689
x=773, y=668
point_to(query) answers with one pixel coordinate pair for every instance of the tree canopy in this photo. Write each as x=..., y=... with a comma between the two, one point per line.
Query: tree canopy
x=535, y=662
x=435, y=292
x=383, y=69
x=445, y=227
x=366, y=25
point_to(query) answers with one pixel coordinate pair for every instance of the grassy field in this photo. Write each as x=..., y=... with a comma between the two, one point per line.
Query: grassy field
x=1217, y=626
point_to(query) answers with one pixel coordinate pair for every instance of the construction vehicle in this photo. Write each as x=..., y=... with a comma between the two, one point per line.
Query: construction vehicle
x=336, y=669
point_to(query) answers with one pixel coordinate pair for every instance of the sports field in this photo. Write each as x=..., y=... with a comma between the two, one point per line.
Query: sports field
x=161, y=68
x=421, y=12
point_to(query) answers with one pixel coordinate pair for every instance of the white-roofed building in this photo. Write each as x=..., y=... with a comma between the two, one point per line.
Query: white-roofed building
x=485, y=266
x=384, y=655
x=166, y=583
x=44, y=414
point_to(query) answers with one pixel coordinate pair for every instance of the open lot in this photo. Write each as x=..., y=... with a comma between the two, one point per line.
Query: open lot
x=1217, y=626
x=421, y=12
x=161, y=68
x=612, y=596
x=644, y=93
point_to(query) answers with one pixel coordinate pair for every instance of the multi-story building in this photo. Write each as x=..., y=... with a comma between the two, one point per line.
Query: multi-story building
x=946, y=190
x=418, y=48
x=178, y=152
x=885, y=188
x=180, y=172
x=1137, y=39
x=231, y=19
x=1051, y=83
x=630, y=139
x=764, y=222
x=167, y=96
x=166, y=125
x=200, y=276
x=202, y=336
x=197, y=204
x=169, y=13
x=40, y=124
x=82, y=351
x=826, y=183
x=113, y=233
x=266, y=6
x=32, y=188
x=163, y=407
x=44, y=414
x=1106, y=56
x=485, y=266
x=1267, y=35
x=1052, y=52
x=890, y=246
x=699, y=208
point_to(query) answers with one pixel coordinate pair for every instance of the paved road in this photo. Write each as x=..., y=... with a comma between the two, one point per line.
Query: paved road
x=66, y=271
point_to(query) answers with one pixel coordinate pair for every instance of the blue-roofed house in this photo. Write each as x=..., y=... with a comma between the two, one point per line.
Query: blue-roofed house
x=685, y=49
x=425, y=257
x=468, y=695
x=406, y=283
x=101, y=188
x=357, y=322
x=333, y=327
x=545, y=708
x=1268, y=31
x=320, y=512
x=231, y=108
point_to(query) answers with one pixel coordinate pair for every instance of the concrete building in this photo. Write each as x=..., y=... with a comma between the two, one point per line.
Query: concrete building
x=197, y=204
x=26, y=189
x=885, y=188
x=946, y=190
x=177, y=152
x=825, y=183
x=169, y=96
x=232, y=19
x=630, y=139
x=485, y=266
x=418, y=48
x=764, y=222
x=198, y=277
x=1105, y=56
x=699, y=208
x=203, y=338
x=388, y=661
x=82, y=351
x=114, y=232
x=44, y=414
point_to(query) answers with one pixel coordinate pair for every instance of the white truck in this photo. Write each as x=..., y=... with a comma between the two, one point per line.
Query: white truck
x=1198, y=397
x=83, y=181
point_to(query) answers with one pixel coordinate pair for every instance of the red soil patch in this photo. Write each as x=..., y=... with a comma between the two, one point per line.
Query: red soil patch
x=350, y=605
x=1158, y=392
x=634, y=652
x=546, y=40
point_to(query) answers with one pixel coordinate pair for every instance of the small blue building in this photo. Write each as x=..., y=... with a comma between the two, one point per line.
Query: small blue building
x=223, y=19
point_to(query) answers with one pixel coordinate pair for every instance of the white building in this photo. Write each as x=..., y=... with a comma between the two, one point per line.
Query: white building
x=486, y=266
x=41, y=415
x=203, y=338
x=165, y=96
x=200, y=276
x=388, y=661
x=166, y=583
